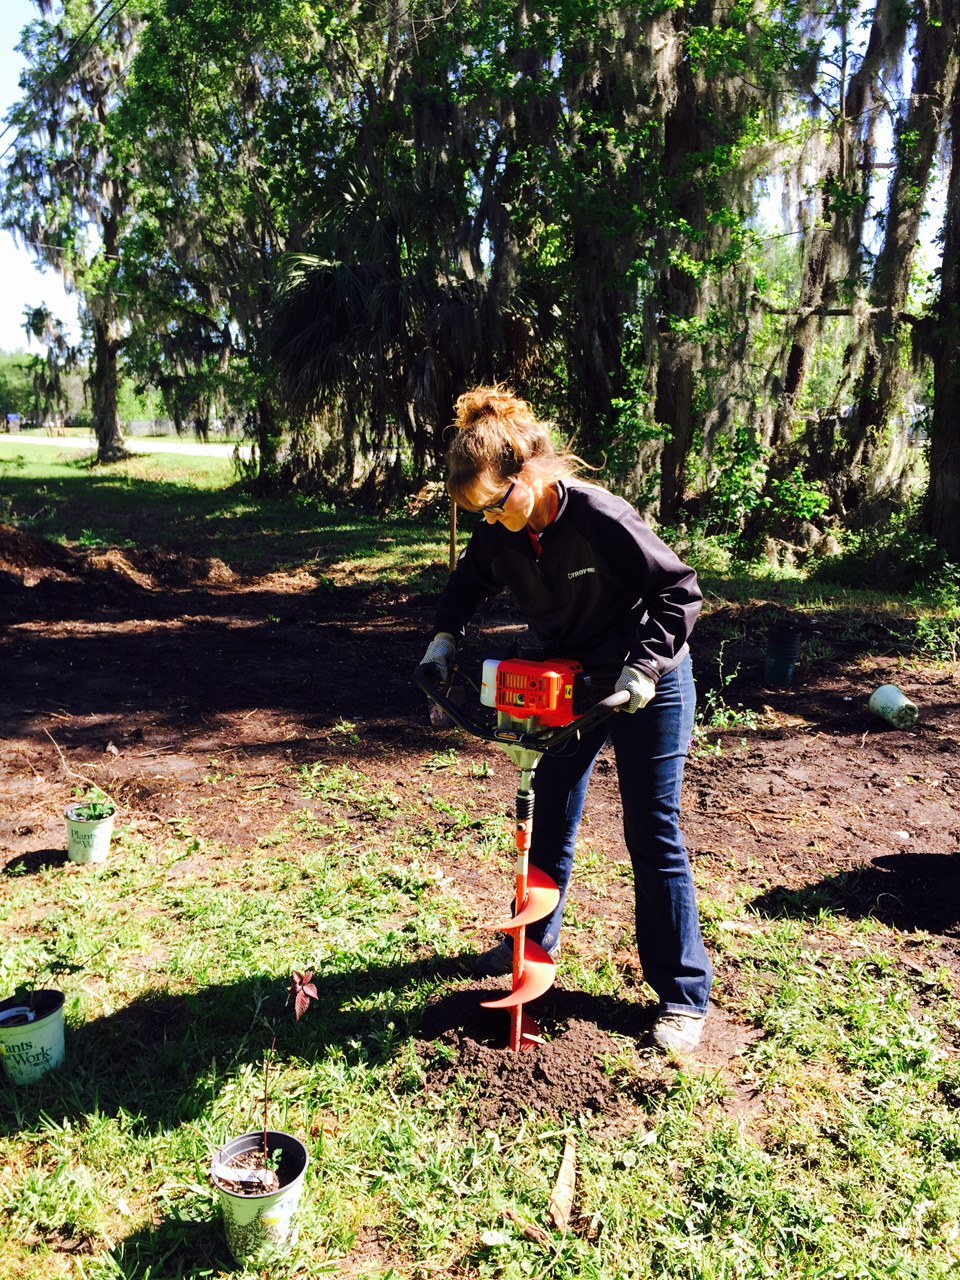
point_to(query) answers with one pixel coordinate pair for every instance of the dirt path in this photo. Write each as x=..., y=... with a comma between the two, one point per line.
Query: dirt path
x=143, y=668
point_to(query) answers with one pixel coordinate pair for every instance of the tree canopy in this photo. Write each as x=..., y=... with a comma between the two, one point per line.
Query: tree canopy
x=692, y=233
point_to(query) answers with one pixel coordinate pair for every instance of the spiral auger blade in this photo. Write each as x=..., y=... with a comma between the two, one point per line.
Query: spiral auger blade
x=536, y=898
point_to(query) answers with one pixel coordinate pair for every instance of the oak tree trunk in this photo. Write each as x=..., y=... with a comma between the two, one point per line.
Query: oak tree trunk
x=916, y=143
x=942, y=509
x=104, y=384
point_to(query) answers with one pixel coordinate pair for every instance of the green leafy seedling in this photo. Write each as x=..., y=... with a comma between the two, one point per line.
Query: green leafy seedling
x=93, y=806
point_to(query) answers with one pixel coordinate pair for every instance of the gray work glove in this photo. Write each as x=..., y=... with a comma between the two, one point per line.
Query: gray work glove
x=441, y=652
x=639, y=685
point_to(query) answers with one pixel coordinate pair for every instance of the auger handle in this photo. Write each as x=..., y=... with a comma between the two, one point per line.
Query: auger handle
x=426, y=675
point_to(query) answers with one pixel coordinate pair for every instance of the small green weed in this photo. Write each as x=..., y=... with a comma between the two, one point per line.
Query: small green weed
x=716, y=715
x=91, y=804
x=442, y=760
x=346, y=729
x=342, y=785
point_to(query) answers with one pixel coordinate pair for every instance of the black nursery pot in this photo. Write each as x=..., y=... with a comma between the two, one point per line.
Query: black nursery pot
x=782, y=656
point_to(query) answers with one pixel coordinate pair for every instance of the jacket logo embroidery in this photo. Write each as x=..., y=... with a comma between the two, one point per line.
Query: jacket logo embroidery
x=578, y=573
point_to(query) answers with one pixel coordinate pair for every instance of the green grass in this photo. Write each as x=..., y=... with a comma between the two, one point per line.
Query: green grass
x=175, y=957
x=197, y=506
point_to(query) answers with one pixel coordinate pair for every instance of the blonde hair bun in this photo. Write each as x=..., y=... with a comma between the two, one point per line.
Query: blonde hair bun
x=497, y=435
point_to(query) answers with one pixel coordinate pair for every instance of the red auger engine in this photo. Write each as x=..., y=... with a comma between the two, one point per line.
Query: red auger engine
x=546, y=692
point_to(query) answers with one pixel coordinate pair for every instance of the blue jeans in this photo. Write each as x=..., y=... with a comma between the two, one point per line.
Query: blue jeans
x=650, y=748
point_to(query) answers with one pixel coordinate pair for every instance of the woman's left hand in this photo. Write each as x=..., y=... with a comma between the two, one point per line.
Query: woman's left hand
x=639, y=685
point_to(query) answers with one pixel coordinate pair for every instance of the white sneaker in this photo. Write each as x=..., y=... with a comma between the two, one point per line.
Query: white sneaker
x=676, y=1032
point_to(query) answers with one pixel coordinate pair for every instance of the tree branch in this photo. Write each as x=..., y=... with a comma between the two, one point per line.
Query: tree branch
x=803, y=312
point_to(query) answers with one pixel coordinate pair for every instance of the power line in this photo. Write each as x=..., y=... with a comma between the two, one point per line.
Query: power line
x=66, y=59
x=58, y=248
x=65, y=65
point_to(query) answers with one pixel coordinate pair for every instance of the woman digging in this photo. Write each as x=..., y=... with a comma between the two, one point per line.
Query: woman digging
x=598, y=587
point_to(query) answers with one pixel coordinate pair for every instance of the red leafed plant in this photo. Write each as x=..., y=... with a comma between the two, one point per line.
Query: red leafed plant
x=303, y=989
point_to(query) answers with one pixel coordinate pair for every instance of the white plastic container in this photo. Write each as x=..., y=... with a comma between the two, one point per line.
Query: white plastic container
x=87, y=841
x=262, y=1226
x=892, y=704
x=31, y=1036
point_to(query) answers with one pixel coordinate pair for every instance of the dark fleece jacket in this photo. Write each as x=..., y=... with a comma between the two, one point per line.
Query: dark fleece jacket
x=603, y=591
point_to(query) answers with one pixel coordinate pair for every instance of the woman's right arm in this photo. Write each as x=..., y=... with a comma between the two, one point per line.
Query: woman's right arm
x=470, y=584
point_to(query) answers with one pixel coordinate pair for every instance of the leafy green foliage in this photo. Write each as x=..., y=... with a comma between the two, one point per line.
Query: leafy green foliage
x=897, y=556
x=92, y=811
x=92, y=805
x=739, y=487
x=717, y=715
x=795, y=497
x=938, y=621
x=16, y=391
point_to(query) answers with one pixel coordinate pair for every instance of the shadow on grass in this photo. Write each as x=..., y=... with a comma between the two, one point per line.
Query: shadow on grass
x=34, y=862
x=164, y=1058
x=104, y=507
x=908, y=891
x=178, y=1248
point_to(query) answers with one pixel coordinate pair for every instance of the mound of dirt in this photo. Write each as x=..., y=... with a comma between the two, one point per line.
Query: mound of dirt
x=563, y=1076
x=29, y=561
x=569, y=1073
x=170, y=569
x=26, y=560
x=116, y=565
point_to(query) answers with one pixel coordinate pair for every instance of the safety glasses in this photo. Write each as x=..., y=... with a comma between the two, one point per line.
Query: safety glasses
x=497, y=508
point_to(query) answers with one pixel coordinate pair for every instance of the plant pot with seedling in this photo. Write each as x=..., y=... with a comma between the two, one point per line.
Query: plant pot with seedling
x=31, y=1035
x=259, y=1176
x=90, y=827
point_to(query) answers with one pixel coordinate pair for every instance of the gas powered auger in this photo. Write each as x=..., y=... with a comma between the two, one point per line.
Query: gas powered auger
x=538, y=706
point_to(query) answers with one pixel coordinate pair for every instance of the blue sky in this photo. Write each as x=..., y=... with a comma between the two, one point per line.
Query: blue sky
x=21, y=284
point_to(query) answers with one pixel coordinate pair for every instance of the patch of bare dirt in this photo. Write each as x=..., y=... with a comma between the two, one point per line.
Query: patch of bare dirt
x=177, y=669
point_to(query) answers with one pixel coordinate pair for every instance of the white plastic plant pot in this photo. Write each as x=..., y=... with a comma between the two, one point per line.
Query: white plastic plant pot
x=260, y=1225
x=31, y=1035
x=892, y=704
x=87, y=841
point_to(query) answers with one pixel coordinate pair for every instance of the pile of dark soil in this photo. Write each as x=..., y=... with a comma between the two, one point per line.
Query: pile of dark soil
x=29, y=562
